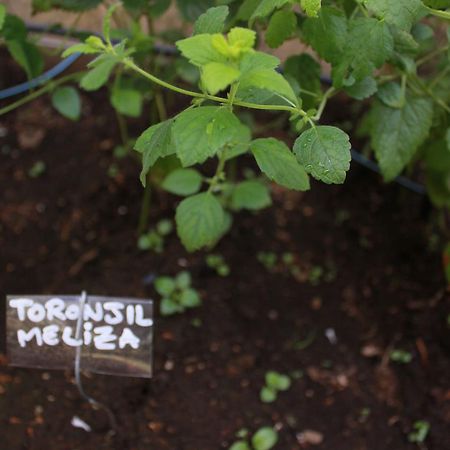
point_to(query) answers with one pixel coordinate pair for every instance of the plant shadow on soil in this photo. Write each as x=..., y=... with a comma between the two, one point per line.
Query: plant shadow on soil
x=74, y=228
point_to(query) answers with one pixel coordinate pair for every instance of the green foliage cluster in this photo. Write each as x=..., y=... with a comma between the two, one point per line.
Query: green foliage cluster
x=275, y=383
x=393, y=56
x=154, y=238
x=217, y=263
x=264, y=439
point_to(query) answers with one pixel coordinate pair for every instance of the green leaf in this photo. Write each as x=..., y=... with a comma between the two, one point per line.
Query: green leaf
x=281, y=26
x=80, y=48
x=66, y=101
x=265, y=7
x=212, y=21
x=200, y=133
x=200, y=221
x=276, y=161
x=397, y=133
x=258, y=60
x=327, y=34
x=199, y=50
x=218, y=76
x=402, y=13
x=98, y=76
x=192, y=9
x=240, y=445
x=182, y=182
x=164, y=286
x=267, y=395
x=168, y=307
x=242, y=37
x=190, y=298
x=250, y=194
x=391, y=95
x=362, y=89
x=155, y=142
x=269, y=80
x=127, y=101
x=311, y=7
x=278, y=381
x=2, y=15
x=264, y=439
x=324, y=152
x=27, y=56
x=183, y=280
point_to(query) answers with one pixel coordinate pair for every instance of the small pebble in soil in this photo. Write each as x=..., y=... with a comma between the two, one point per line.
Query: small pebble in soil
x=272, y=315
x=310, y=437
x=169, y=365
x=122, y=210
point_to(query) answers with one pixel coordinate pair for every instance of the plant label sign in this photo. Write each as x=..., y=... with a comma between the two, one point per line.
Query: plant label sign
x=107, y=335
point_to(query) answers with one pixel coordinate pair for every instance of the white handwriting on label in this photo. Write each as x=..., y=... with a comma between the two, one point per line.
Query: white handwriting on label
x=103, y=337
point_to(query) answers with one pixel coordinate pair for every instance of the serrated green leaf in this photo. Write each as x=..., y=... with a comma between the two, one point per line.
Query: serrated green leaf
x=264, y=439
x=182, y=182
x=250, y=194
x=2, y=15
x=200, y=221
x=258, y=60
x=200, y=133
x=269, y=80
x=239, y=145
x=391, y=95
x=311, y=7
x=265, y=8
x=218, y=76
x=212, y=21
x=242, y=37
x=98, y=75
x=397, y=133
x=279, y=164
x=327, y=34
x=281, y=26
x=199, y=50
x=127, y=101
x=402, y=13
x=362, y=89
x=66, y=101
x=27, y=56
x=324, y=152
x=155, y=142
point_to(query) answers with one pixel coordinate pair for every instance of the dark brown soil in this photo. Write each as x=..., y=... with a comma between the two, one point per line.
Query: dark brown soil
x=74, y=228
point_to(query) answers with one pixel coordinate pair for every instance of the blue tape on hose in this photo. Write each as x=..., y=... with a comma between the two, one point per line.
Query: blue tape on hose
x=41, y=79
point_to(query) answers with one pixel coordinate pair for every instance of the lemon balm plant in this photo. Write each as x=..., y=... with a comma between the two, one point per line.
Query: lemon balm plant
x=393, y=57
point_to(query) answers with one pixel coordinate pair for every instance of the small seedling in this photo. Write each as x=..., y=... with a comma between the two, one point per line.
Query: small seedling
x=401, y=356
x=177, y=294
x=37, y=169
x=420, y=433
x=154, y=239
x=218, y=263
x=315, y=275
x=275, y=382
x=264, y=439
x=267, y=259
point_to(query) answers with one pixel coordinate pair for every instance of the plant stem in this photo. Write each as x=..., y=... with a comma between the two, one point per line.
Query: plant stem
x=48, y=87
x=328, y=94
x=131, y=65
x=145, y=207
x=438, y=13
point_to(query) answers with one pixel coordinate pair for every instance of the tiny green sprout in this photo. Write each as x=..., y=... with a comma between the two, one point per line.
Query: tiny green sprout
x=401, y=356
x=267, y=259
x=275, y=382
x=120, y=152
x=177, y=294
x=113, y=170
x=218, y=263
x=264, y=439
x=315, y=275
x=420, y=433
x=37, y=169
x=154, y=238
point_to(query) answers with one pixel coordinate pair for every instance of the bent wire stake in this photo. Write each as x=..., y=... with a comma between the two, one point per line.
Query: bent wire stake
x=92, y=401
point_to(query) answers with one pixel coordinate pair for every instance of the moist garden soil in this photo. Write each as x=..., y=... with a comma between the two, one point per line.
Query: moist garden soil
x=369, y=281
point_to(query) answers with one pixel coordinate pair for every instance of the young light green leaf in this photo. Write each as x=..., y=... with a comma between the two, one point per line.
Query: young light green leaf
x=98, y=75
x=278, y=381
x=182, y=182
x=281, y=26
x=79, y=48
x=200, y=221
x=267, y=395
x=200, y=133
x=264, y=439
x=212, y=21
x=218, y=76
x=265, y=7
x=199, y=50
x=276, y=161
x=27, y=56
x=127, y=101
x=66, y=101
x=250, y=194
x=324, y=152
x=242, y=37
x=311, y=7
x=155, y=142
x=2, y=15
x=107, y=21
x=240, y=445
x=397, y=133
x=402, y=13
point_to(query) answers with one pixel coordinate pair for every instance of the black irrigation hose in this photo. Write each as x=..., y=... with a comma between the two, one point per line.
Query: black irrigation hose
x=171, y=51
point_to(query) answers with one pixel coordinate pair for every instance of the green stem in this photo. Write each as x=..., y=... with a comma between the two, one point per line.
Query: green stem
x=219, y=171
x=47, y=88
x=328, y=94
x=131, y=65
x=432, y=55
x=438, y=13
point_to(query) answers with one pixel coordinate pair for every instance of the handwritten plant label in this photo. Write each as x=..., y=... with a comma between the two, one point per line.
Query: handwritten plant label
x=110, y=335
